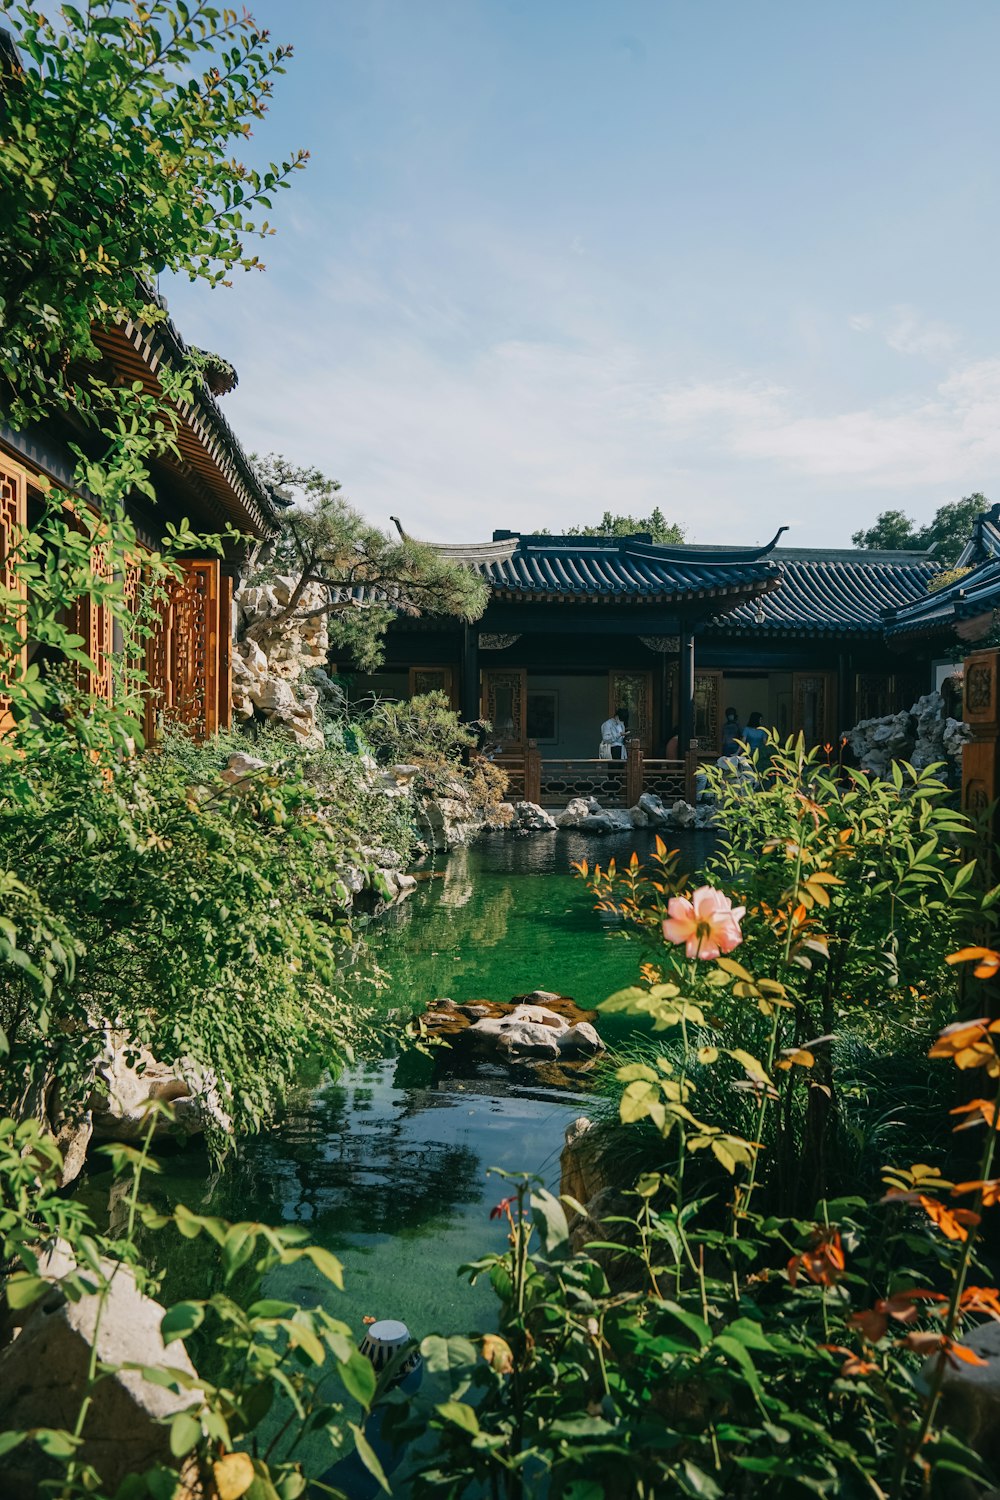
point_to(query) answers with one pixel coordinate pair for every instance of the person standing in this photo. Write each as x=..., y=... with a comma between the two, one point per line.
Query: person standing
x=731, y=733
x=755, y=738
x=613, y=737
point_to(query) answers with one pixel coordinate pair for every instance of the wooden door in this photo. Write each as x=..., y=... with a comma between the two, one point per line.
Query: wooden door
x=633, y=691
x=707, y=727
x=195, y=647
x=814, y=707
x=505, y=703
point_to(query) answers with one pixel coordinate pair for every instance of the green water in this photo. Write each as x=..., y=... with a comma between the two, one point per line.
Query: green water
x=388, y=1165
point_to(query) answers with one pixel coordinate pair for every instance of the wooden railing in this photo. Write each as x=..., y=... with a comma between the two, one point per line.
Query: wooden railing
x=578, y=776
x=615, y=783
x=666, y=779
x=513, y=764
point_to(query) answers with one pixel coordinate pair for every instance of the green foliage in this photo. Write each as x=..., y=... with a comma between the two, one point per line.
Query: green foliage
x=364, y=577
x=947, y=533
x=116, y=140
x=203, y=919
x=290, y=1366
x=667, y=533
x=720, y=1369
x=857, y=890
x=425, y=731
x=717, y=1328
x=946, y=579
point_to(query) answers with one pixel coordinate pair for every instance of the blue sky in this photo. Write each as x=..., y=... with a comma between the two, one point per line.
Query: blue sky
x=738, y=260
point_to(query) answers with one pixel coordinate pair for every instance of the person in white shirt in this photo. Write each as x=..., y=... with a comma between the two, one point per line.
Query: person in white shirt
x=613, y=737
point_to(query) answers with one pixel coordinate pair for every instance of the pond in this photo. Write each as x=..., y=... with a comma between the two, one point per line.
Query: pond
x=387, y=1165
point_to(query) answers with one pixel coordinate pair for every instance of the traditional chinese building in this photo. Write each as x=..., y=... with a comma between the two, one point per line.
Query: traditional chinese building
x=577, y=626
x=208, y=482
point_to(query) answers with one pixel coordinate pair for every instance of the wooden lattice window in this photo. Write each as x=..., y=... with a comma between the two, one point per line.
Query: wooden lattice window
x=707, y=724
x=814, y=702
x=633, y=691
x=159, y=693
x=13, y=521
x=92, y=619
x=505, y=700
x=225, y=690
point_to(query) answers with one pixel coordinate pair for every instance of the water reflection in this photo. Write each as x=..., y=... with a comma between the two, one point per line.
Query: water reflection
x=387, y=1166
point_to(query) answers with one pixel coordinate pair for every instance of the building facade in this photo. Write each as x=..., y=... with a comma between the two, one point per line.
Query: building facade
x=209, y=482
x=577, y=626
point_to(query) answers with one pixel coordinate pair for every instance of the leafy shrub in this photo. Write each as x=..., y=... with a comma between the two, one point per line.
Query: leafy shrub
x=202, y=919
x=297, y=1364
x=425, y=731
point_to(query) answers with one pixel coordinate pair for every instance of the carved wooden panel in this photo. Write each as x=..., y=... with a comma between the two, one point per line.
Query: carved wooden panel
x=707, y=726
x=505, y=703
x=90, y=617
x=633, y=691
x=159, y=693
x=13, y=520
x=980, y=689
x=814, y=706
x=981, y=758
x=194, y=668
x=433, y=680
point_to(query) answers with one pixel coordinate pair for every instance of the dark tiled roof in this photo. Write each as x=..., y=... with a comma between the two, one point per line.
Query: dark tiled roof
x=832, y=593
x=627, y=569
x=972, y=594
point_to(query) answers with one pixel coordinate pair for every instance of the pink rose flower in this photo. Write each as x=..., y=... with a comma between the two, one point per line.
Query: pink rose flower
x=708, y=924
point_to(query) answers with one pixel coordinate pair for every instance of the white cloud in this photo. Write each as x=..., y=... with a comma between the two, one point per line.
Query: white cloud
x=905, y=329
x=909, y=332
x=948, y=437
x=460, y=418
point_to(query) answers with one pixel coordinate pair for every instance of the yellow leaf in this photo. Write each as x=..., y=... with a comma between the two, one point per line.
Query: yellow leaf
x=233, y=1475
x=800, y=1055
x=498, y=1353
x=708, y=1054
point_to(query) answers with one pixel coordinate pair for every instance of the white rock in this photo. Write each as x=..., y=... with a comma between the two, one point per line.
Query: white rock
x=122, y=1088
x=520, y=1036
x=239, y=766
x=44, y=1370
x=580, y=1038
x=529, y=816
x=272, y=696
x=573, y=814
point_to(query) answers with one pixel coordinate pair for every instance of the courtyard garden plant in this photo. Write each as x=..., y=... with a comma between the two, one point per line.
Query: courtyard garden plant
x=743, y=1321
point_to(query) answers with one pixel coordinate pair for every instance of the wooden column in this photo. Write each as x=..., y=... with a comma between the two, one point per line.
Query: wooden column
x=981, y=757
x=225, y=716
x=686, y=692
x=633, y=775
x=469, y=697
x=845, y=715
x=532, y=773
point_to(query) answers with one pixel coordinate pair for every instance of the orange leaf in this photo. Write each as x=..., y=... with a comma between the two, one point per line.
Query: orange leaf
x=871, y=1323
x=980, y=1299
x=987, y=960
x=984, y=1108
x=957, y=1352
x=952, y=1222
x=990, y=1190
